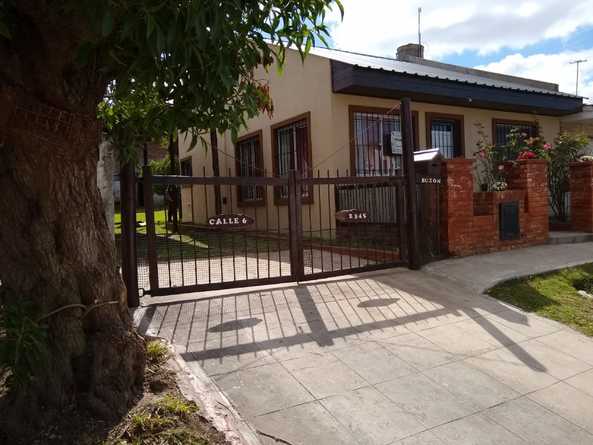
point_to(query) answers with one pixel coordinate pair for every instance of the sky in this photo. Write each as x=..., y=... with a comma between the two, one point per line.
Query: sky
x=534, y=39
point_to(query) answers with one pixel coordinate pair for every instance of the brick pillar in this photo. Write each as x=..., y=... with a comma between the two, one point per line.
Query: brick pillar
x=581, y=196
x=532, y=176
x=457, y=208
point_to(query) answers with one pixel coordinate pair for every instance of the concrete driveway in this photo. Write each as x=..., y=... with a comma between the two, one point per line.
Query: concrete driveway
x=397, y=357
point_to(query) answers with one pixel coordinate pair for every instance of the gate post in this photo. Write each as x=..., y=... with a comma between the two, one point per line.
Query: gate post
x=410, y=174
x=153, y=270
x=297, y=266
x=128, y=232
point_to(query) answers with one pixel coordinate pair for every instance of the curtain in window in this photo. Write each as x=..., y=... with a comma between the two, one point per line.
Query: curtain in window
x=442, y=133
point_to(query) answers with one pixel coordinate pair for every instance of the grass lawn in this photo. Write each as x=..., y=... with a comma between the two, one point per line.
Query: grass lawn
x=204, y=243
x=553, y=295
x=159, y=219
x=196, y=243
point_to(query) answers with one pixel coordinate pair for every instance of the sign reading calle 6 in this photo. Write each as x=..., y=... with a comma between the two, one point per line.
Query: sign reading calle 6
x=230, y=221
x=352, y=216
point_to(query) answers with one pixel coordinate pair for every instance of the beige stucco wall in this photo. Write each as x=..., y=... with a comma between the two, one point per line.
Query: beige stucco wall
x=302, y=87
x=306, y=87
x=585, y=127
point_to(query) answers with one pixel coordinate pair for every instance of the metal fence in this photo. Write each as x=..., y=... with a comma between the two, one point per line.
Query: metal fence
x=275, y=239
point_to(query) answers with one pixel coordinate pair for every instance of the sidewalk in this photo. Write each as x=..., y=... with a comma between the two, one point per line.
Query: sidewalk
x=481, y=272
x=395, y=357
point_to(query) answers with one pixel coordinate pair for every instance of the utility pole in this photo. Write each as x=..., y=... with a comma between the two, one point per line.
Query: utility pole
x=578, y=64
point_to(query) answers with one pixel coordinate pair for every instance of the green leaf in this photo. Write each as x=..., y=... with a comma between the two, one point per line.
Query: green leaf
x=310, y=41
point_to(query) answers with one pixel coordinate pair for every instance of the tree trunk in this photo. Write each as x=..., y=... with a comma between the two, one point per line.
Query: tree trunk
x=57, y=251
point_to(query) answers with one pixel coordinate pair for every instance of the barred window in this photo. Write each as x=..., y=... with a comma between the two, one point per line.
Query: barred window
x=377, y=142
x=292, y=151
x=445, y=132
x=249, y=160
x=502, y=129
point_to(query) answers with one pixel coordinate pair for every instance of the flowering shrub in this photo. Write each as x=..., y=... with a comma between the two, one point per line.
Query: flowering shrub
x=521, y=147
x=526, y=154
x=489, y=168
x=568, y=147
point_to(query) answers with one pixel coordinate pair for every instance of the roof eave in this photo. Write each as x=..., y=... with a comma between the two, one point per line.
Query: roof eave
x=352, y=79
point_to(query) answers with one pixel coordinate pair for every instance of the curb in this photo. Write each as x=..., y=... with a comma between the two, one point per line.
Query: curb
x=198, y=387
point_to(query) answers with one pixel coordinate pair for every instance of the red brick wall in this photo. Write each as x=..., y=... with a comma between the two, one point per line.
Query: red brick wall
x=581, y=196
x=470, y=221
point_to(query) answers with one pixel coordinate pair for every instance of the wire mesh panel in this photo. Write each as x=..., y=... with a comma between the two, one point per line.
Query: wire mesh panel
x=352, y=225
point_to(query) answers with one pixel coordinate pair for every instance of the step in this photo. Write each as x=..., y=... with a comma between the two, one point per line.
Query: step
x=562, y=237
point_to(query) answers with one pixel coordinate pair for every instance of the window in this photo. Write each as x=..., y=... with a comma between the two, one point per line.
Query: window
x=501, y=130
x=445, y=131
x=376, y=140
x=249, y=162
x=185, y=167
x=291, y=146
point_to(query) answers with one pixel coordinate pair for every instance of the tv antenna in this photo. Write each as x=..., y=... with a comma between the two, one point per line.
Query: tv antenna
x=578, y=64
x=419, y=33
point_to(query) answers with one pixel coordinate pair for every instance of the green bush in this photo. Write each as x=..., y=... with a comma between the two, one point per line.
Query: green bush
x=585, y=284
x=23, y=343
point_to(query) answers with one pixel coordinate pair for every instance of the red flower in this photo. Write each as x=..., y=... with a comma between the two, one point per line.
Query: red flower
x=526, y=154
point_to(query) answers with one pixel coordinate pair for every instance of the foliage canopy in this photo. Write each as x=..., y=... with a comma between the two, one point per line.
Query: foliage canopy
x=186, y=64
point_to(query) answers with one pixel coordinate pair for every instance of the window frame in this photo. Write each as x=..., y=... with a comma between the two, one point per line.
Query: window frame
x=431, y=116
x=496, y=121
x=352, y=109
x=257, y=135
x=278, y=200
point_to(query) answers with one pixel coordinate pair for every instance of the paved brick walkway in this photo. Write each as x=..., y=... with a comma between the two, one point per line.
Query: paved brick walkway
x=398, y=357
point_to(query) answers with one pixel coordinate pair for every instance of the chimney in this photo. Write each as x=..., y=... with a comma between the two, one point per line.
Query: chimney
x=411, y=49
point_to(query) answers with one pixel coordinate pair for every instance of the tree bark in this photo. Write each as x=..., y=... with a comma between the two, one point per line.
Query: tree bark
x=57, y=251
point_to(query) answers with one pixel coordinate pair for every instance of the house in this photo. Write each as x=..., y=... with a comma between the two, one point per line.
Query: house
x=336, y=113
x=581, y=123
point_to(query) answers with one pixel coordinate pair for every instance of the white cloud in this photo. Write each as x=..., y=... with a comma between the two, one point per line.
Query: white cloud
x=554, y=68
x=379, y=26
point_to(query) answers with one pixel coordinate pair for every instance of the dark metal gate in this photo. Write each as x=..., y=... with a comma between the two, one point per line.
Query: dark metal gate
x=267, y=230
x=237, y=231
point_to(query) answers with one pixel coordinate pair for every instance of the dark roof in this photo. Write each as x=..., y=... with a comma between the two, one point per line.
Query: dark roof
x=441, y=71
